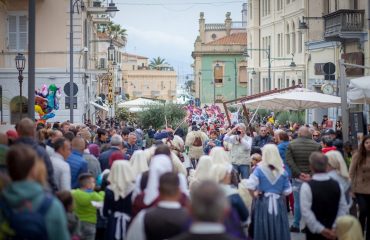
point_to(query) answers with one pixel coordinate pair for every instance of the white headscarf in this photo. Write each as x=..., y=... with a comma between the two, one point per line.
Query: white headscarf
x=139, y=163
x=159, y=165
x=202, y=170
x=271, y=156
x=219, y=171
x=219, y=156
x=336, y=161
x=121, y=179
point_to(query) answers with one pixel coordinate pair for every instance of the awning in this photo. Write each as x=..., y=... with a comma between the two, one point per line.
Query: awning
x=100, y=107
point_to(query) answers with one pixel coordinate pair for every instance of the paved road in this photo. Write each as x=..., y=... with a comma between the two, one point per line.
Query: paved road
x=296, y=236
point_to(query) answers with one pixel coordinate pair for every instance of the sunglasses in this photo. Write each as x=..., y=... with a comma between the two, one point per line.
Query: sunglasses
x=316, y=135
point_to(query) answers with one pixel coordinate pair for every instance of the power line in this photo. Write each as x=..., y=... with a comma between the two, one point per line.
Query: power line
x=178, y=3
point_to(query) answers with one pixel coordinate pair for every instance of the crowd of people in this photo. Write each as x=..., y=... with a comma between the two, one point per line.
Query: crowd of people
x=71, y=181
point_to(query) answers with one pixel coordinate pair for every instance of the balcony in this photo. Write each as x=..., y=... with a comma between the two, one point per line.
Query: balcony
x=171, y=93
x=137, y=93
x=155, y=93
x=100, y=18
x=344, y=24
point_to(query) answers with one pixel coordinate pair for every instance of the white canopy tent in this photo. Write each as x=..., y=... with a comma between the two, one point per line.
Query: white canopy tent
x=137, y=105
x=359, y=90
x=297, y=99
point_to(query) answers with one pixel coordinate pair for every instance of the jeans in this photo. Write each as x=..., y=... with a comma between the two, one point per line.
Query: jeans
x=243, y=170
x=363, y=201
x=88, y=231
x=296, y=185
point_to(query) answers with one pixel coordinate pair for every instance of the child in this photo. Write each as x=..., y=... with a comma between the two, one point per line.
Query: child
x=256, y=158
x=212, y=142
x=73, y=222
x=83, y=198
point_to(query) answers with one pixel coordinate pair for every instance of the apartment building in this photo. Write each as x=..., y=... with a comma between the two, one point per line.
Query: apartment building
x=275, y=49
x=138, y=80
x=52, y=54
x=334, y=30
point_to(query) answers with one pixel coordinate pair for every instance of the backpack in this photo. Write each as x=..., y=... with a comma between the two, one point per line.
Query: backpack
x=197, y=142
x=25, y=223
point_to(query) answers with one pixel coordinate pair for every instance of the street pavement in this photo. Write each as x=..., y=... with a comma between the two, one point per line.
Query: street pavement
x=295, y=236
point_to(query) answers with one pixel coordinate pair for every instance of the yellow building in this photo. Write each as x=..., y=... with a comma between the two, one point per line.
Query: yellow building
x=52, y=53
x=140, y=81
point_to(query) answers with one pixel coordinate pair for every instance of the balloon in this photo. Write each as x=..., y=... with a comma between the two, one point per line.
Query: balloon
x=38, y=109
x=47, y=116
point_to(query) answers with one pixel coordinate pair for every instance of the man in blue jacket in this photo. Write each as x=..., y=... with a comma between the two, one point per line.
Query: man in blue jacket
x=76, y=161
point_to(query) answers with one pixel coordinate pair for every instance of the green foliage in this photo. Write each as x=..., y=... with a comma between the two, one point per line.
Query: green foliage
x=116, y=31
x=123, y=114
x=155, y=116
x=155, y=63
x=292, y=117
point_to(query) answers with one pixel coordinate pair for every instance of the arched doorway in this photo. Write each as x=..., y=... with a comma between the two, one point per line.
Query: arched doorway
x=15, y=109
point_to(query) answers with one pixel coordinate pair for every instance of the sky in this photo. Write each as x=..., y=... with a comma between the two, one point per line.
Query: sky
x=168, y=28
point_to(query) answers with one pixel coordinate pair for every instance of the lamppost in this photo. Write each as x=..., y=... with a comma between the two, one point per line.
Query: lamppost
x=269, y=59
x=111, y=10
x=235, y=74
x=20, y=62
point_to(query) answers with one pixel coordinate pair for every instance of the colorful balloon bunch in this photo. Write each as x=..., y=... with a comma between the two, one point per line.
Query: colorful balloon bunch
x=46, y=101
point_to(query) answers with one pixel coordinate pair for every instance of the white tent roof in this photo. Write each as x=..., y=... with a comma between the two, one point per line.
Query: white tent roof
x=100, y=107
x=297, y=99
x=359, y=90
x=139, y=102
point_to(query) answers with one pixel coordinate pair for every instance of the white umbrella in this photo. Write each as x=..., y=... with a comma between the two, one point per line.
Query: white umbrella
x=139, y=102
x=359, y=90
x=297, y=99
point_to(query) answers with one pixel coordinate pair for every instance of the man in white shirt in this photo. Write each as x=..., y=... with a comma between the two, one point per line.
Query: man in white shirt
x=322, y=200
x=241, y=149
x=62, y=171
x=54, y=135
x=167, y=219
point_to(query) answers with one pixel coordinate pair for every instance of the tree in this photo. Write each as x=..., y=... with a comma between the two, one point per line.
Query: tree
x=156, y=116
x=155, y=63
x=116, y=31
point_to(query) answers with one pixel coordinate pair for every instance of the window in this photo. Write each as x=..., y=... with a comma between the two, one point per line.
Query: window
x=287, y=1
x=243, y=74
x=218, y=74
x=250, y=10
x=355, y=4
x=287, y=37
x=287, y=82
x=300, y=40
x=293, y=39
x=17, y=32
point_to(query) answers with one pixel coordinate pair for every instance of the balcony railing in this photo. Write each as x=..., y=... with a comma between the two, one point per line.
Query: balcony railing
x=155, y=93
x=137, y=93
x=343, y=21
x=171, y=93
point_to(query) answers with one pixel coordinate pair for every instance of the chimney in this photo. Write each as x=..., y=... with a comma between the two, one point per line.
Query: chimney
x=202, y=27
x=228, y=22
x=245, y=14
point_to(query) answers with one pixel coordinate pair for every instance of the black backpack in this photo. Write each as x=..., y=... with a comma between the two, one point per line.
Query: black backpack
x=26, y=223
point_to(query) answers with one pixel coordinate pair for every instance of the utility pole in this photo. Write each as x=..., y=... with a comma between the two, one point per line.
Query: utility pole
x=31, y=58
x=343, y=96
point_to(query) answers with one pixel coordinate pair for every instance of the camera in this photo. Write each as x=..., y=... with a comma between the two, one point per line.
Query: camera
x=238, y=132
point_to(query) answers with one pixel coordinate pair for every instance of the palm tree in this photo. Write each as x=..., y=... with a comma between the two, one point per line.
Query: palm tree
x=156, y=63
x=116, y=31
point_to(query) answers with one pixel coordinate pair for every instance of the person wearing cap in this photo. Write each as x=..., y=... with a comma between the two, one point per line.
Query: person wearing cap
x=12, y=136
x=241, y=149
x=338, y=143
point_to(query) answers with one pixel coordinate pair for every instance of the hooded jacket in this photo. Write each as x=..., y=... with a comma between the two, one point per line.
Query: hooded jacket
x=55, y=217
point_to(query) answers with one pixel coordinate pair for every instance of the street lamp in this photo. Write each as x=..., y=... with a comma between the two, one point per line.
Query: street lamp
x=111, y=50
x=20, y=62
x=112, y=9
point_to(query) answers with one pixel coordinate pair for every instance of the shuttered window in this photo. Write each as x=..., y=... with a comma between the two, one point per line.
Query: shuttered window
x=17, y=32
x=218, y=74
x=243, y=78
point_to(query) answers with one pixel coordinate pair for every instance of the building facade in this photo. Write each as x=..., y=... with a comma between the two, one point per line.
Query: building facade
x=138, y=80
x=52, y=54
x=274, y=42
x=220, y=69
x=335, y=30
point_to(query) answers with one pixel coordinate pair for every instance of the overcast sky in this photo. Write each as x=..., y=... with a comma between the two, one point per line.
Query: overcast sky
x=168, y=28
